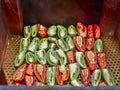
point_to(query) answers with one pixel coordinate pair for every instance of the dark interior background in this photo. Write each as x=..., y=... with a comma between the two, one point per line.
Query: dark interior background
x=65, y=12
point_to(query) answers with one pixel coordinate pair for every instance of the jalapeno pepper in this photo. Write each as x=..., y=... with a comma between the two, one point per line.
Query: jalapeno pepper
x=98, y=46
x=89, y=43
x=72, y=30
x=80, y=59
x=76, y=83
x=62, y=44
x=91, y=59
x=52, y=39
x=42, y=31
x=96, y=77
x=90, y=31
x=62, y=31
x=52, y=57
x=70, y=56
x=108, y=77
x=34, y=30
x=50, y=75
x=103, y=83
x=19, y=59
x=30, y=57
x=101, y=58
x=43, y=44
x=85, y=75
x=40, y=56
x=52, y=45
x=62, y=74
x=97, y=31
x=34, y=44
x=29, y=70
x=74, y=71
x=27, y=31
x=29, y=80
x=63, y=58
x=52, y=30
x=81, y=29
x=40, y=72
x=70, y=42
x=24, y=42
x=19, y=74
x=39, y=83
x=79, y=43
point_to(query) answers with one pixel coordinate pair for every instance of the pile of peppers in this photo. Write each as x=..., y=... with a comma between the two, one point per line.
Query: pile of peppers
x=62, y=56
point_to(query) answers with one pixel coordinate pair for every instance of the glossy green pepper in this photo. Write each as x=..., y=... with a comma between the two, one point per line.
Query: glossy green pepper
x=70, y=42
x=108, y=77
x=34, y=44
x=51, y=39
x=19, y=59
x=27, y=31
x=98, y=46
x=52, y=57
x=39, y=84
x=80, y=59
x=76, y=83
x=72, y=30
x=41, y=56
x=74, y=71
x=62, y=31
x=30, y=57
x=24, y=42
x=52, y=45
x=34, y=30
x=62, y=55
x=50, y=76
x=52, y=30
x=62, y=44
x=43, y=44
x=96, y=77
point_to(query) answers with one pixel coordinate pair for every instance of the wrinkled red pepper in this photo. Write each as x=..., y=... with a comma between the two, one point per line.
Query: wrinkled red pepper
x=90, y=31
x=42, y=31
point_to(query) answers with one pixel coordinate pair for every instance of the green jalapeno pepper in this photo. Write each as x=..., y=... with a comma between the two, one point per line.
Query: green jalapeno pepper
x=51, y=39
x=70, y=42
x=62, y=31
x=98, y=46
x=72, y=30
x=27, y=31
x=50, y=76
x=76, y=83
x=52, y=57
x=74, y=71
x=24, y=42
x=34, y=30
x=41, y=56
x=34, y=44
x=108, y=77
x=80, y=59
x=19, y=59
x=43, y=44
x=30, y=57
x=39, y=84
x=62, y=55
x=52, y=45
x=62, y=45
x=96, y=77
x=52, y=30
